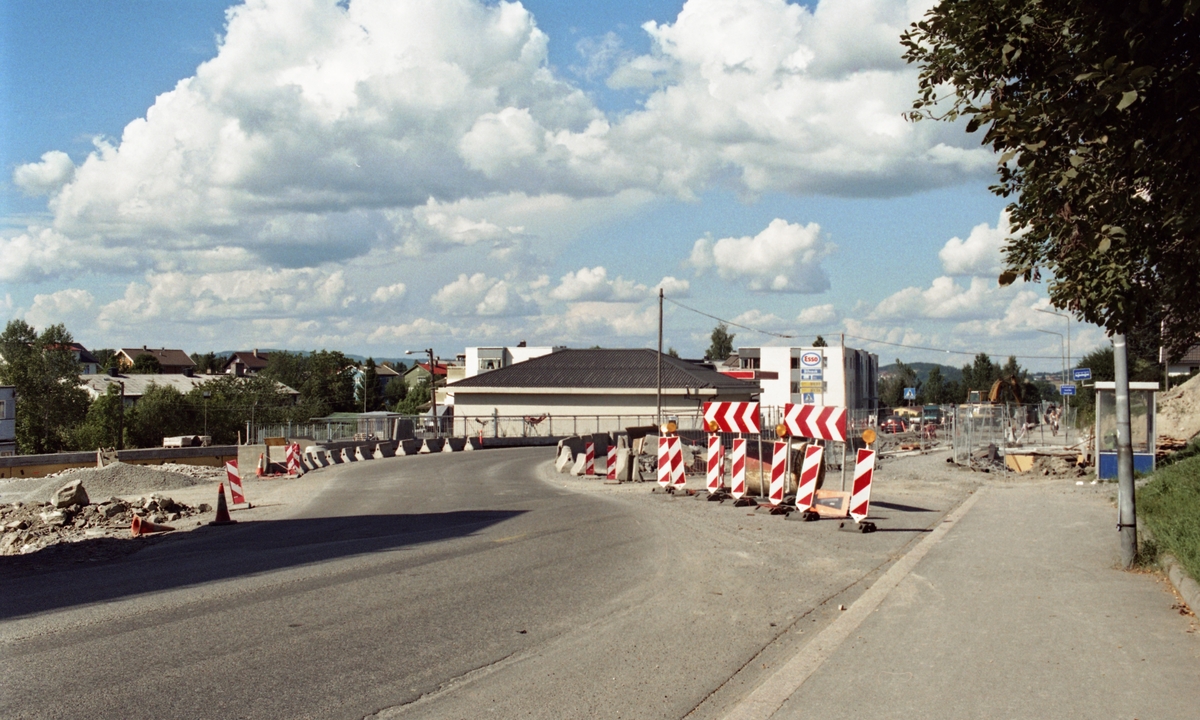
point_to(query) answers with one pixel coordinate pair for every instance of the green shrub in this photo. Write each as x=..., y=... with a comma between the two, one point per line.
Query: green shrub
x=1170, y=506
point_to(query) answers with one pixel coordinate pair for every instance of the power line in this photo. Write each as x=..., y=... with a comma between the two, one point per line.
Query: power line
x=787, y=336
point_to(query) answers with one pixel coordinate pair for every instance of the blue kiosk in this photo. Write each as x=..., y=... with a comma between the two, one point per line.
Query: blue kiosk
x=1142, y=427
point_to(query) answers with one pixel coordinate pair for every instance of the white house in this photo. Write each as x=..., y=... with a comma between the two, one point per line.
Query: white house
x=8, y=420
x=596, y=383
x=484, y=359
x=1189, y=363
x=838, y=376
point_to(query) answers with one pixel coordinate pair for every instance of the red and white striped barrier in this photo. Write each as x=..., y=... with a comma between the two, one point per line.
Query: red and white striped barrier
x=778, y=472
x=810, y=470
x=589, y=458
x=860, y=495
x=816, y=421
x=732, y=416
x=610, y=463
x=293, y=459
x=677, y=477
x=236, y=494
x=737, y=470
x=716, y=471
x=664, y=461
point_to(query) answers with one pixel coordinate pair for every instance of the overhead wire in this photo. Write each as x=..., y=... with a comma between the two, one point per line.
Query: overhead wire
x=790, y=336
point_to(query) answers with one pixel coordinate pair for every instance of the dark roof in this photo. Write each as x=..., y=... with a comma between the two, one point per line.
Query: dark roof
x=250, y=360
x=605, y=369
x=165, y=356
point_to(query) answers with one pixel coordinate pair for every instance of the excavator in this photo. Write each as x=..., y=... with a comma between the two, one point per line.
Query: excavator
x=1004, y=390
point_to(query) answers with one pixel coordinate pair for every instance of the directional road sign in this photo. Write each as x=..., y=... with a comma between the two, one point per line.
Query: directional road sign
x=1066, y=389
x=1081, y=374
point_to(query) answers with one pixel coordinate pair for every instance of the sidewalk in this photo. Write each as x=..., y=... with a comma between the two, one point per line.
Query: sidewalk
x=1019, y=611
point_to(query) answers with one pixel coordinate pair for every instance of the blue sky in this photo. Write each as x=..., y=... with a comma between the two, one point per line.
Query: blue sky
x=374, y=176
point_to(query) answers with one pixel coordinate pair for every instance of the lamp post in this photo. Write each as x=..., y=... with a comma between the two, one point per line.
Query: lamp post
x=1066, y=398
x=432, y=388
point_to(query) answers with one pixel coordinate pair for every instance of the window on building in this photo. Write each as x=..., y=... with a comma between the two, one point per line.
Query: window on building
x=489, y=364
x=795, y=388
x=795, y=363
x=3, y=409
x=750, y=363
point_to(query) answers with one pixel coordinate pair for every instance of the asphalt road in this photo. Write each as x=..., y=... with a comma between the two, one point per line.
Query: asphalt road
x=456, y=585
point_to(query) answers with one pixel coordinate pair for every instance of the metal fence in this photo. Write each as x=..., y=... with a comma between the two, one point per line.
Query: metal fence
x=974, y=428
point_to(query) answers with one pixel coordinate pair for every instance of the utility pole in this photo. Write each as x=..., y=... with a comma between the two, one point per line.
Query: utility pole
x=658, y=359
x=1126, y=510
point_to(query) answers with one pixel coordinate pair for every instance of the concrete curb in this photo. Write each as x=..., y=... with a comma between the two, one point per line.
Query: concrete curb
x=1187, y=588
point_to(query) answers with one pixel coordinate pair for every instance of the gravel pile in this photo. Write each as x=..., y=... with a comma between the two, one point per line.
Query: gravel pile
x=29, y=527
x=122, y=479
x=1179, y=412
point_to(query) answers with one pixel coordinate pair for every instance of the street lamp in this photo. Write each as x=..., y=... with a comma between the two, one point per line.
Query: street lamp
x=1066, y=398
x=432, y=388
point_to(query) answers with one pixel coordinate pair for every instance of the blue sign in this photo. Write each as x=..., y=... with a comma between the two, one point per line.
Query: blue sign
x=810, y=399
x=811, y=373
x=910, y=393
x=1066, y=389
x=1081, y=374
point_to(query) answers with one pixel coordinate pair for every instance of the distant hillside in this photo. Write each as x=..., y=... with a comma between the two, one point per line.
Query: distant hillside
x=923, y=368
x=407, y=362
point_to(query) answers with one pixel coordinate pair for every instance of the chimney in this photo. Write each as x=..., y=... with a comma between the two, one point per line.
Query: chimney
x=113, y=371
x=255, y=352
x=188, y=372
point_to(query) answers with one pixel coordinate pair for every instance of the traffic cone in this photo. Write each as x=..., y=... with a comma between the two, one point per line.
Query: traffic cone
x=222, y=509
x=143, y=527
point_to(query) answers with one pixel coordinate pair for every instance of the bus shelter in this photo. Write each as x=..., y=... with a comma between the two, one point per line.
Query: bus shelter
x=1142, y=427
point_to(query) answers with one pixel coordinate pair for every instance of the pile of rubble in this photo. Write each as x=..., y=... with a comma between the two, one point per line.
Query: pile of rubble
x=1179, y=414
x=70, y=516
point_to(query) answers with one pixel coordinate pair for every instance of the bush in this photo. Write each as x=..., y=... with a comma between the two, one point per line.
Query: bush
x=1170, y=506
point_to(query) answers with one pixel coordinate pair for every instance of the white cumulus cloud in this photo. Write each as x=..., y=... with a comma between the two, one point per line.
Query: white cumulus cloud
x=47, y=176
x=784, y=257
x=594, y=284
x=980, y=253
x=72, y=307
x=387, y=293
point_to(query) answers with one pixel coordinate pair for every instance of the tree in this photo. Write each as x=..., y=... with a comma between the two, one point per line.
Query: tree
x=161, y=412
x=146, y=364
x=45, y=374
x=395, y=391
x=417, y=399
x=103, y=425
x=722, y=343
x=933, y=391
x=105, y=358
x=324, y=379
x=980, y=375
x=891, y=388
x=1092, y=105
x=820, y=342
x=672, y=352
x=209, y=363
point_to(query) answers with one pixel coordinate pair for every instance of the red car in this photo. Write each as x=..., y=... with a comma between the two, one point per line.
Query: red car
x=892, y=424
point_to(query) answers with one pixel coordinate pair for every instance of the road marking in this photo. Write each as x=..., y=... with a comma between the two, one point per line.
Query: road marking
x=770, y=695
x=510, y=538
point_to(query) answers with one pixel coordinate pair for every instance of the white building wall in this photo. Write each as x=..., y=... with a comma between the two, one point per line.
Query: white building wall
x=504, y=355
x=836, y=368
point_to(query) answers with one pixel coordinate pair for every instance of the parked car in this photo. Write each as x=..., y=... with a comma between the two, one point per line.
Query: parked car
x=893, y=424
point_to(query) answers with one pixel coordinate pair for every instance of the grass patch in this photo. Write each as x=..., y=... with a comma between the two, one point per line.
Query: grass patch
x=1170, y=505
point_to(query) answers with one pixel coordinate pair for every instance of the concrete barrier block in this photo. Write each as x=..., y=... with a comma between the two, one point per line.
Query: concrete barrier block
x=564, y=461
x=622, y=463
x=473, y=443
x=386, y=449
x=433, y=445
x=575, y=443
x=335, y=457
x=455, y=444
x=580, y=465
x=411, y=446
x=348, y=455
x=364, y=452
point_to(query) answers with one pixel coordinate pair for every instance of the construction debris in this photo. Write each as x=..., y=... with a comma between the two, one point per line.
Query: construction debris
x=1179, y=414
x=31, y=526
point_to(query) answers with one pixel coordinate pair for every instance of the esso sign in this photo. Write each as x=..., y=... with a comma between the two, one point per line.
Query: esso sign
x=810, y=359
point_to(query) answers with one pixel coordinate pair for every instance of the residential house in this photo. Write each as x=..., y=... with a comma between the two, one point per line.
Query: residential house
x=245, y=363
x=173, y=362
x=88, y=364
x=134, y=386
x=384, y=374
x=597, y=382
x=8, y=420
x=1189, y=363
x=420, y=372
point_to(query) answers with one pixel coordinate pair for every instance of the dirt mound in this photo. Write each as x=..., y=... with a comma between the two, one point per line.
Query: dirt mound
x=122, y=479
x=1179, y=412
x=29, y=527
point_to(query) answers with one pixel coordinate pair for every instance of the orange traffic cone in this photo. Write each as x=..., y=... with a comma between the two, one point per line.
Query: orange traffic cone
x=222, y=509
x=143, y=527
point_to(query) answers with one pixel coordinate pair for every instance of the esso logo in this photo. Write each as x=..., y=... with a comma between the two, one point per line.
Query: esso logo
x=810, y=359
